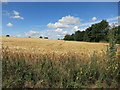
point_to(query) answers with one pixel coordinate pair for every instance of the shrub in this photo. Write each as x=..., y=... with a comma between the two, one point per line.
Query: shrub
x=7, y=35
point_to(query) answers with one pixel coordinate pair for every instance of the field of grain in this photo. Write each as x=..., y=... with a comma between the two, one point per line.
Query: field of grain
x=37, y=46
x=49, y=63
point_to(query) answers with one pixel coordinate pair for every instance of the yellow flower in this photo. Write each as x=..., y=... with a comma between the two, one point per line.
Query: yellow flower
x=116, y=64
x=90, y=77
x=115, y=67
x=81, y=72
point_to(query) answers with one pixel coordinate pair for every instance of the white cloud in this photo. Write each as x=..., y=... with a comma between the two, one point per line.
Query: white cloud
x=70, y=20
x=59, y=35
x=50, y=30
x=57, y=25
x=65, y=22
x=75, y=28
x=17, y=17
x=58, y=30
x=74, y=22
x=112, y=24
x=16, y=13
x=65, y=32
x=31, y=33
x=90, y=23
x=9, y=24
x=94, y=18
x=112, y=19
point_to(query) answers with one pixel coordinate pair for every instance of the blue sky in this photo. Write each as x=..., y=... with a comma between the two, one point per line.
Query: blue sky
x=54, y=19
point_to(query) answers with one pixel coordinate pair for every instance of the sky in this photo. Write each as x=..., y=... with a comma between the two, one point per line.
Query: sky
x=54, y=19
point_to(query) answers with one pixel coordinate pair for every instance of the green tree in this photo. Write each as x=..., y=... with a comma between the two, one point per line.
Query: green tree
x=99, y=31
x=86, y=37
x=96, y=33
x=79, y=35
x=68, y=37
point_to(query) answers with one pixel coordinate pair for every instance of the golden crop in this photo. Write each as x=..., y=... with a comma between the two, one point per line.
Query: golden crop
x=35, y=48
x=47, y=63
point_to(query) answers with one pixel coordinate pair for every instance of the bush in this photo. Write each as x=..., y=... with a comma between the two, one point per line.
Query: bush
x=7, y=35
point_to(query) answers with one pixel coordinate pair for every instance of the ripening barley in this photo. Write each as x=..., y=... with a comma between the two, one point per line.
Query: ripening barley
x=33, y=48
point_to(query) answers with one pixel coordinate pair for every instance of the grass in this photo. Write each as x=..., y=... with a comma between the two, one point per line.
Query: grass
x=31, y=70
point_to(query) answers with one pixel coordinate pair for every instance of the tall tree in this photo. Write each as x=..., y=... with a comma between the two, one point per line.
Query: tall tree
x=79, y=35
x=96, y=33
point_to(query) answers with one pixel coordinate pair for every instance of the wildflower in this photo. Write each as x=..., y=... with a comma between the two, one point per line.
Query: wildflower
x=116, y=64
x=115, y=67
x=81, y=72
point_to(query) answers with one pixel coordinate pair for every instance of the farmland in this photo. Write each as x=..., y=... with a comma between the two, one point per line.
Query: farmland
x=50, y=46
x=35, y=62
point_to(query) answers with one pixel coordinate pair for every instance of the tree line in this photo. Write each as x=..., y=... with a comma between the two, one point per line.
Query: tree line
x=99, y=32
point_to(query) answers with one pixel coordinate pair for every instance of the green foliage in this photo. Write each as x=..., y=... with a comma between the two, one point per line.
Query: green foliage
x=68, y=37
x=118, y=39
x=96, y=33
x=67, y=73
x=111, y=73
x=79, y=36
x=14, y=73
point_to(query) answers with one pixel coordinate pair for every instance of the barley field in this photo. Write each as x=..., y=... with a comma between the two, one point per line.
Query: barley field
x=49, y=63
x=50, y=47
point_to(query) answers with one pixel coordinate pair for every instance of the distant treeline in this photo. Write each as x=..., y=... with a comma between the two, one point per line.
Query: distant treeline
x=99, y=32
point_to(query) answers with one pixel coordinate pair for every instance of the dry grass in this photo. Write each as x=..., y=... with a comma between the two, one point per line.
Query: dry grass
x=36, y=47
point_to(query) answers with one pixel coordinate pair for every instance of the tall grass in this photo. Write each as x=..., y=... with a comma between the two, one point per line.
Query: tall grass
x=65, y=73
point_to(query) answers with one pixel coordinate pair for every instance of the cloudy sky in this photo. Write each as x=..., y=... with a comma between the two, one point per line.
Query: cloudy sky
x=55, y=20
